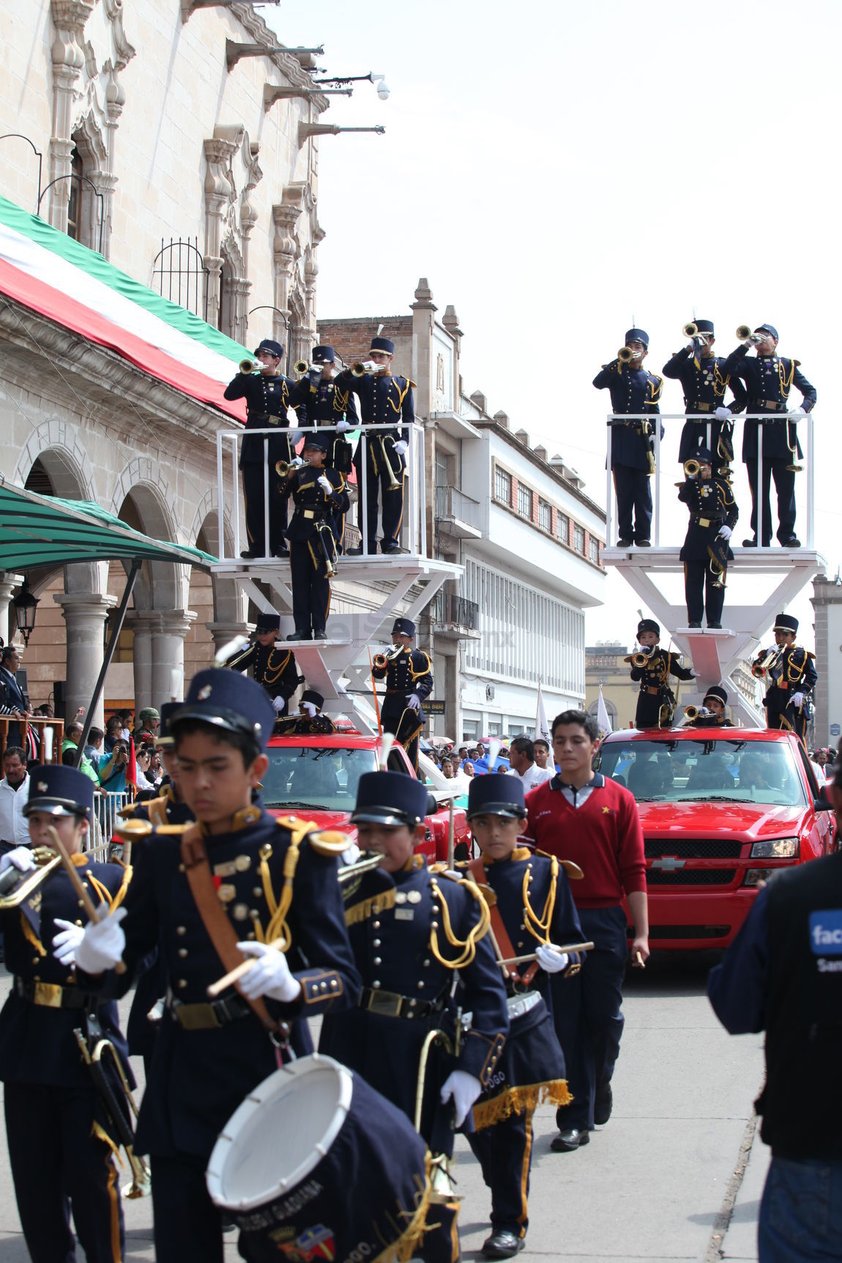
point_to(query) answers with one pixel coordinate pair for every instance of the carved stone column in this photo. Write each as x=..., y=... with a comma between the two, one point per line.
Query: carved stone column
x=285, y=216
x=143, y=625
x=69, y=18
x=170, y=627
x=7, y=587
x=85, y=614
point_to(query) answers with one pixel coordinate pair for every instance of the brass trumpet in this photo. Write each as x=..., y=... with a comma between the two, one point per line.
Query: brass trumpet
x=692, y=467
x=368, y=861
x=690, y=330
x=382, y=660
x=743, y=332
x=301, y=367
x=638, y=659
x=250, y=366
x=283, y=468
x=16, y=886
x=361, y=367
x=692, y=712
x=625, y=355
x=761, y=664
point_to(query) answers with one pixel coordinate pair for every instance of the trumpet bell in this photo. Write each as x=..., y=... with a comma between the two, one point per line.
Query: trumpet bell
x=358, y=369
x=690, y=330
x=692, y=467
x=301, y=367
x=743, y=332
x=249, y=366
x=16, y=886
x=625, y=355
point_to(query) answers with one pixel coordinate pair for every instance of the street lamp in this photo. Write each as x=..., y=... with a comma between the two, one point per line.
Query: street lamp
x=24, y=606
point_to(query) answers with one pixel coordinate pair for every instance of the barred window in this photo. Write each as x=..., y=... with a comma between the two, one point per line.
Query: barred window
x=524, y=501
x=593, y=550
x=579, y=539
x=563, y=528
x=545, y=515
x=502, y=485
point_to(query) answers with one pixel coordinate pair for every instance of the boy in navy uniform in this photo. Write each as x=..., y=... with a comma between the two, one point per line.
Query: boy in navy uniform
x=267, y=396
x=656, y=700
x=792, y=677
x=319, y=496
x=419, y=943
x=235, y=884
x=706, y=551
x=309, y=721
x=704, y=382
x=531, y=908
x=409, y=680
x=320, y=398
x=61, y=1148
x=712, y=713
x=275, y=669
x=769, y=379
x=634, y=390
x=385, y=399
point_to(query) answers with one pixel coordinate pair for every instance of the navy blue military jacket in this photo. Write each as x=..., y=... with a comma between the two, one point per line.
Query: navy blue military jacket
x=37, y=1044
x=633, y=390
x=407, y=671
x=384, y=399
x=535, y=904
x=312, y=503
x=704, y=383
x=769, y=379
x=793, y=671
x=267, y=401
x=324, y=402
x=712, y=502
x=199, y=1077
x=396, y=924
x=659, y=666
x=275, y=669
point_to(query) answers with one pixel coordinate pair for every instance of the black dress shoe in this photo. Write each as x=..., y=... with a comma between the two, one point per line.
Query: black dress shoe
x=320, y=635
x=644, y=543
x=353, y=552
x=249, y=556
x=570, y=1140
x=714, y=627
x=390, y=548
x=792, y=542
x=603, y=1104
x=299, y=636
x=502, y=1244
x=624, y=543
x=694, y=624
x=281, y=553
x=749, y=543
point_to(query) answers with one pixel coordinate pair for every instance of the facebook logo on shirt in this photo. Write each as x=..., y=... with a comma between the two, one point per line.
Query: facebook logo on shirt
x=826, y=932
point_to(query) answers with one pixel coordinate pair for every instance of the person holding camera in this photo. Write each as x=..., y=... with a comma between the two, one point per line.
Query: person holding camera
x=112, y=773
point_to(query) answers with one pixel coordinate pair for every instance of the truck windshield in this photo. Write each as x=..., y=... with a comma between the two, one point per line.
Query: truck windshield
x=704, y=770
x=314, y=776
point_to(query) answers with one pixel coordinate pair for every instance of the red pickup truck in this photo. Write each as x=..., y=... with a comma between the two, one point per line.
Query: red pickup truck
x=316, y=778
x=722, y=809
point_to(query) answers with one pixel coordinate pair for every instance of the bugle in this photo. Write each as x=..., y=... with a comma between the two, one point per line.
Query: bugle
x=366, y=863
x=761, y=664
x=743, y=332
x=792, y=444
x=361, y=367
x=638, y=659
x=120, y=1106
x=692, y=467
x=382, y=660
x=625, y=355
x=250, y=366
x=327, y=544
x=690, y=330
x=301, y=367
x=16, y=886
x=692, y=712
x=394, y=482
x=283, y=468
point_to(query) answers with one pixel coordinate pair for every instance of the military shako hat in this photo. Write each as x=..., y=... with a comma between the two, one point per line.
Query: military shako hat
x=383, y=344
x=496, y=795
x=274, y=348
x=315, y=440
x=403, y=627
x=324, y=355
x=704, y=326
x=227, y=700
x=637, y=335
x=310, y=695
x=390, y=798
x=60, y=791
x=770, y=329
x=648, y=625
x=267, y=622
x=717, y=693
x=786, y=623
x=704, y=456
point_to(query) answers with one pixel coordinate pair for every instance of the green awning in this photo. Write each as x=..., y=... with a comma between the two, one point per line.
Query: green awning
x=47, y=531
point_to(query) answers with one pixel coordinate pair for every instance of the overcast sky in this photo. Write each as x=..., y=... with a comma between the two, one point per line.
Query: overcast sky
x=558, y=170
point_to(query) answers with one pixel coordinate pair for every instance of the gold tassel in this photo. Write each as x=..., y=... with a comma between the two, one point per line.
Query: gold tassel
x=31, y=937
x=368, y=907
x=402, y=1250
x=520, y=1101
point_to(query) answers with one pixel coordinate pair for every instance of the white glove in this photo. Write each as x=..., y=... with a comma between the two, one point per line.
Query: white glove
x=754, y=339
x=722, y=413
x=551, y=960
x=351, y=854
x=309, y=708
x=270, y=976
x=326, y=485
x=342, y=426
x=413, y=701
x=65, y=943
x=297, y=462
x=102, y=945
x=280, y=705
x=463, y=1089
x=19, y=858
x=724, y=532
x=294, y=436
x=798, y=700
x=401, y=447
x=796, y=414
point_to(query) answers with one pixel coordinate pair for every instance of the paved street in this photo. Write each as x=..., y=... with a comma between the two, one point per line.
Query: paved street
x=657, y=1183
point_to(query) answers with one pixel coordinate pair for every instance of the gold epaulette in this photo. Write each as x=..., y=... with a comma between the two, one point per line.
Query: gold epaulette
x=128, y=810
x=328, y=842
x=173, y=830
x=133, y=830
x=413, y=384
x=300, y=829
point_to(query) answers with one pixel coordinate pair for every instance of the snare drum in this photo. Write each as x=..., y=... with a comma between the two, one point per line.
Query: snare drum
x=316, y=1165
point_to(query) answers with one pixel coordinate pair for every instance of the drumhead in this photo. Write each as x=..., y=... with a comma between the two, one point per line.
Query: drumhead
x=280, y=1133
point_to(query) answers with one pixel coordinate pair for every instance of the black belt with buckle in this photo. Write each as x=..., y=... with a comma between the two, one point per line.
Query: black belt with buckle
x=702, y=407
x=265, y=416
x=390, y=1004
x=208, y=1015
x=50, y=995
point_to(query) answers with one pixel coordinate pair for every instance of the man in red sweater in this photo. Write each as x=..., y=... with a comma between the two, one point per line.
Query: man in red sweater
x=583, y=816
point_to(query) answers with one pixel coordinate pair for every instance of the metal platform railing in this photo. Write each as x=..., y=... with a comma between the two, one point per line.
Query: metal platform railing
x=413, y=534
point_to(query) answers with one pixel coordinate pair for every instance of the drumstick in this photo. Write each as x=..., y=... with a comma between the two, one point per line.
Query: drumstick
x=237, y=972
x=567, y=947
x=78, y=885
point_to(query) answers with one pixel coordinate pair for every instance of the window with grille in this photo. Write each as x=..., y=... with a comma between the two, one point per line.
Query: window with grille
x=563, y=528
x=579, y=539
x=502, y=485
x=545, y=515
x=593, y=550
x=524, y=501
x=179, y=274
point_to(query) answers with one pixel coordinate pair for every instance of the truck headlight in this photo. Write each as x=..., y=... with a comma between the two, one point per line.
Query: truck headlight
x=775, y=849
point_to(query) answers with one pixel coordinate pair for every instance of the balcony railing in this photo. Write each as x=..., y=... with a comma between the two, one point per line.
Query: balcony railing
x=455, y=611
x=453, y=505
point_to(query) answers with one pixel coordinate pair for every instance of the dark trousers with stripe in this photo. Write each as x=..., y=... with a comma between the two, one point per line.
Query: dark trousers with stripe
x=784, y=480
x=701, y=593
x=253, y=490
x=375, y=485
x=58, y=1166
x=406, y=724
x=504, y=1152
x=634, y=503
x=589, y=1016
x=310, y=588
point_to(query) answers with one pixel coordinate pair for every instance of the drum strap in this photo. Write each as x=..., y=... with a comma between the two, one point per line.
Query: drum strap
x=221, y=932
x=477, y=870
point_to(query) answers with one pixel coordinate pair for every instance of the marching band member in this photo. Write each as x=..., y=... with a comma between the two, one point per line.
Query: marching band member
x=237, y=883
x=275, y=669
x=409, y=680
x=267, y=396
x=706, y=552
x=61, y=1145
x=319, y=399
x=590, y=819
x=712, y=713
x=704, y=382
x=309, y=721
x=419, y=943
x=530, y=909
x=791, y=673
x=652, y=667
x=633, y=390
x=769, y=379
x=319, y=496
x=385, y=399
